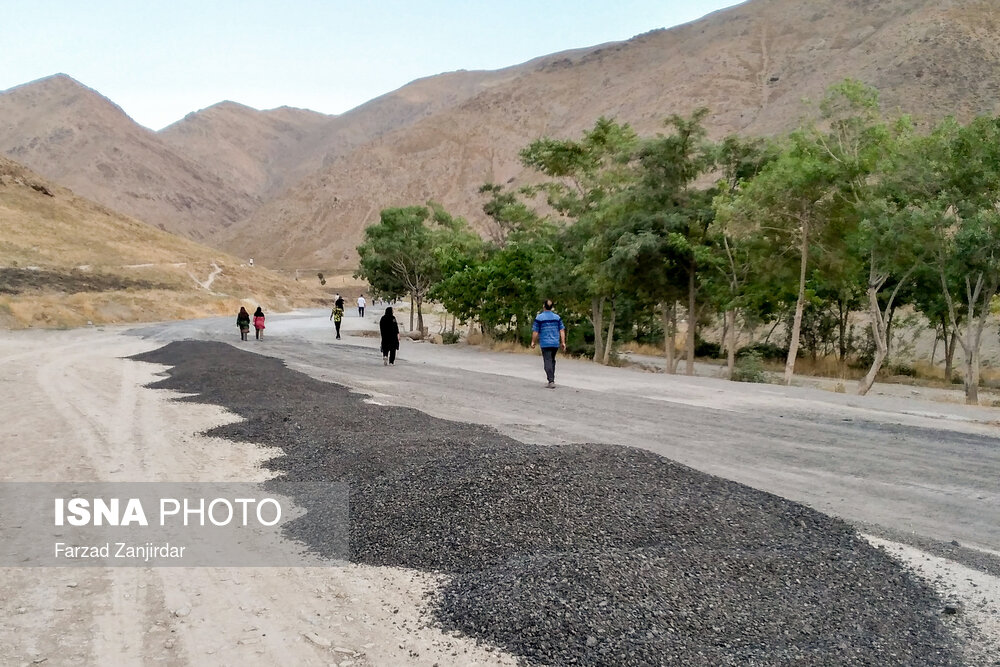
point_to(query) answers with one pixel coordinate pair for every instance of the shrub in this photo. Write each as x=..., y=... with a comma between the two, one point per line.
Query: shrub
x=704, y=348
x=749, y=368
x=903, y=369
x=766, y=351
x=450, y=337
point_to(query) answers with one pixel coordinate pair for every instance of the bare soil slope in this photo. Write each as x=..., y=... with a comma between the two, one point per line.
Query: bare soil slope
x=74, y=136
x=65, y=261
x=243, y=146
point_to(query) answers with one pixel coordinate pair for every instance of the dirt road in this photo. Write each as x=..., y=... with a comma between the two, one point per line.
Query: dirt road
x=928, y=470
x=76, y=411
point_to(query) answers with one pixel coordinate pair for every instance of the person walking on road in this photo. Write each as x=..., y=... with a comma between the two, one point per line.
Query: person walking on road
x=243, y=322
x=337, y=314
x=548, y=332
x=361, y=306
x=389, y=328
x=258, y=323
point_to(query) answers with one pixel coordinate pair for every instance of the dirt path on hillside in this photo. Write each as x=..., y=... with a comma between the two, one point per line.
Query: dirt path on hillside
x=77, y=411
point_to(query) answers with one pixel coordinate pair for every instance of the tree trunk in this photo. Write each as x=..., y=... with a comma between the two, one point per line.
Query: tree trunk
x=673, y=328
x=934, y=347
x=842, y=326
x=888, y=331
x=725, y=331
x=983, y=293
x=975, y=336
x=972, y=377
x=880, y=334
x=597, y=321
x=411, y=311
x=420, y=318
x=611, y=335
x=949, y=355
x=669, y=333
x=733, y=340
x=793, y=343
x=692, y=323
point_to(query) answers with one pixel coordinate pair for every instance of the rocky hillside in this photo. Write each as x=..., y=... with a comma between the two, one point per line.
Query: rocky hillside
x=238, y=145
x=752, y=65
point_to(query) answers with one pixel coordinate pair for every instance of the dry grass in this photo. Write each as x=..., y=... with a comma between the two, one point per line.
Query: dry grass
x=829, y=367
x=643, y=348
x=62, y=234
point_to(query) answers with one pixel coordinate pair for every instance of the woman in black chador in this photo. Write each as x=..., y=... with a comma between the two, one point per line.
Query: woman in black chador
x=389, y=328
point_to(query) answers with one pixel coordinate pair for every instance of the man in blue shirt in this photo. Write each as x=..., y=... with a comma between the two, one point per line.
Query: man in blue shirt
x=549, y=332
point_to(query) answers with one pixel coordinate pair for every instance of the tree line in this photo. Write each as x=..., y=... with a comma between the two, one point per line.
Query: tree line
x=854, y=212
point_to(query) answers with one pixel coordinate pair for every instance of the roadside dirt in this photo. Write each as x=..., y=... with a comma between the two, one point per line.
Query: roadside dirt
x=77, y=411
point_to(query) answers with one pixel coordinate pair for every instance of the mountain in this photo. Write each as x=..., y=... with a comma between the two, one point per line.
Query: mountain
x=270, y=150
x=74, y=136
x=295, y=189
x=241, y=145
x=65, y=260
x=751, y=65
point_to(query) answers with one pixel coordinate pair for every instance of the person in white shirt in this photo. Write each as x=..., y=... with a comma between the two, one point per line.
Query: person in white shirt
x=361, y=306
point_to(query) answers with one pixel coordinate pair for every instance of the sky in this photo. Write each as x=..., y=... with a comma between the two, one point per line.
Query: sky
x=160, y=60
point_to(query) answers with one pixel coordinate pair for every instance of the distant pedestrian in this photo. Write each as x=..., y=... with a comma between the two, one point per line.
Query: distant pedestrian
x=548, y=332
x=243, y=322
x=389, y=328
x=337, y=314
x=251, y=262
x=361, y=306
x=258, y=322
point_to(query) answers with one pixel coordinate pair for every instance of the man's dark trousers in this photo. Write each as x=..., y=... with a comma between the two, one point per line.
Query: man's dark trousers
x=549, y=359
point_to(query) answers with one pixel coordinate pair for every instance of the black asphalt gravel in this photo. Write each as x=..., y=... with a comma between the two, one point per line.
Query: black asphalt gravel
x=584, y=554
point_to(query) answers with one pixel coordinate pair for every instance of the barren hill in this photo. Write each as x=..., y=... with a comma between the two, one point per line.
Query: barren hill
x=751, y=65
x=65, y=260
x=267, y=151
x=73, y=135
x=246, y=147
x=294, y=188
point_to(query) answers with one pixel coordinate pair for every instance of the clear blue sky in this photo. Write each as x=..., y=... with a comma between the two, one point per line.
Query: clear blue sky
x=160, y=60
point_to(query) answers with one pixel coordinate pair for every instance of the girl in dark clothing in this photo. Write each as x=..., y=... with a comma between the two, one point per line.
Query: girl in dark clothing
x=258, y=322
x=389, y=329
x=243, y=322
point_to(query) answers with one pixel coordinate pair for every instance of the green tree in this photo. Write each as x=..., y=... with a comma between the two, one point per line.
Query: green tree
x=737, y=161
x=587, y=177
x=965, y=229
x=397, y=255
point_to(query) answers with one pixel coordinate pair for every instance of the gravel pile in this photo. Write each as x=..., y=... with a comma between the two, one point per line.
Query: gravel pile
x=583, y=554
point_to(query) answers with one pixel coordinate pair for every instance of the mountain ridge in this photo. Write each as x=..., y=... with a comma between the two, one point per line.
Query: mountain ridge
x=296, y=188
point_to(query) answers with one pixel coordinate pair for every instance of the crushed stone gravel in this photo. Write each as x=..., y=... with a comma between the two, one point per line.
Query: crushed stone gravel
x=580, y=554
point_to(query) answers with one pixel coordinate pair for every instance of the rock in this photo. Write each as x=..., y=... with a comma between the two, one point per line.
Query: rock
x=591, y=641
x=181, y=612
x=314, y=638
